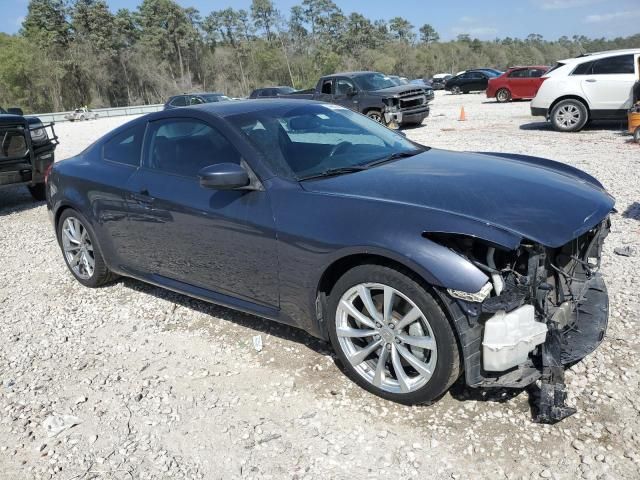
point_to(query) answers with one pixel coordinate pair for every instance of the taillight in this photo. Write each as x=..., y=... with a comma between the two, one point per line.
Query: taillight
x=47, y=171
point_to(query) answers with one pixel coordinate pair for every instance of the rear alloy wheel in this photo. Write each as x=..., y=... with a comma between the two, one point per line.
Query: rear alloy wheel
x=391, y=336
x=569, y=116
x=80, y=250
x=456, y=90
x=503, y=95
x=375, y=115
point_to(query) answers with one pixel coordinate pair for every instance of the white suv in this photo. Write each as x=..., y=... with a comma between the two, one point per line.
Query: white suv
x=597, y=86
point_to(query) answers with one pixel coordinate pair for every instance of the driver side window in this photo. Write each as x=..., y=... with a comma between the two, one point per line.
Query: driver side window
x=183, y=146
x=344, y=86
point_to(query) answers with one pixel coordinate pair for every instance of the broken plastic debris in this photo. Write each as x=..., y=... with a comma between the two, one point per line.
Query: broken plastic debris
x=58, y=423
x=257, y=343
x=627, y=251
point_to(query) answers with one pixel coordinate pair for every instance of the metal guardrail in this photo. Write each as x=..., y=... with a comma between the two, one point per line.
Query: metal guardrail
x=102, y=112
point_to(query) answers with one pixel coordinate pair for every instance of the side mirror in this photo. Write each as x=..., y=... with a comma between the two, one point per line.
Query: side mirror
x=351, y=92
x=223, y=176
x=15, y=111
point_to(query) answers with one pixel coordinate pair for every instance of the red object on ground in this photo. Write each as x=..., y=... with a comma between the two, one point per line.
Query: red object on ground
x=517, y=83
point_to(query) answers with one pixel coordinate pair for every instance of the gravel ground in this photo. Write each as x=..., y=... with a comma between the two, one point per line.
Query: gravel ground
x=130, y=381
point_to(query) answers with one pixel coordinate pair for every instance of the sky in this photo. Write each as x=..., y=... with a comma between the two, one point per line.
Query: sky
x=486, y=19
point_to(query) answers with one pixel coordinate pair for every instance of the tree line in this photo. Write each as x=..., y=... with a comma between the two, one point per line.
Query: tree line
x=77, y=52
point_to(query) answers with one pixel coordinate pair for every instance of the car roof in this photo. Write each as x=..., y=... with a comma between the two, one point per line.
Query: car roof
x=597, y=55
x=527, y=66
x=226, y=109
x=355, y=74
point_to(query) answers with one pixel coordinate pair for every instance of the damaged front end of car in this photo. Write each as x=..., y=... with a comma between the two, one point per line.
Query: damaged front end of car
x=542, y=310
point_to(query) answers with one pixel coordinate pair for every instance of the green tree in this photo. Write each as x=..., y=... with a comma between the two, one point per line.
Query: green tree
x=428, y=34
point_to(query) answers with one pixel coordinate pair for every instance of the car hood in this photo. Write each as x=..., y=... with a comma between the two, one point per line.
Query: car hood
x=532, y=198
x=397, y=90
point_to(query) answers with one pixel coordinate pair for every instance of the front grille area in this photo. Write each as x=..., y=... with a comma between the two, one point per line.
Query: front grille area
x=412, y=102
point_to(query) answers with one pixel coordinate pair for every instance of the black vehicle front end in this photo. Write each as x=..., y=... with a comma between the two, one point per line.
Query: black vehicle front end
x=543, y=310
x=26, y=152
x=408, y=107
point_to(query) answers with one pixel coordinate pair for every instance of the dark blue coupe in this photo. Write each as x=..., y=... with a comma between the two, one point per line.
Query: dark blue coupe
x=416, y=264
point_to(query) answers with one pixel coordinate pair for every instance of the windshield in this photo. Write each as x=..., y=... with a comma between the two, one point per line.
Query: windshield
x=285, y=90
x=306, y=141
x=374, y=81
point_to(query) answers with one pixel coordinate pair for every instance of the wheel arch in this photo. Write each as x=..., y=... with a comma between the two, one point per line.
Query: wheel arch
x=342, y=265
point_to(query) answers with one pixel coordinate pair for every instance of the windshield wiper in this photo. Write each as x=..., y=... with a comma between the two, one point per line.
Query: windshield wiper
x=393, y=156
x=336, y=171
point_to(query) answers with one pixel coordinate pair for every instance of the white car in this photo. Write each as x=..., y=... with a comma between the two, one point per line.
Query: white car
x=596, y=86
x=81, y=114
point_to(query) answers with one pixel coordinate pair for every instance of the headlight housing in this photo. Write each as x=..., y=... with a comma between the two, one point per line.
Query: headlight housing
x=38, y=133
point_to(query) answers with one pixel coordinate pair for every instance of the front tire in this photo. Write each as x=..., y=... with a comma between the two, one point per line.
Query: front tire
x=503, y=95
x=391, y=336
x=569, y=115
x=38, y=191
x=376, y=116
x=81, y=251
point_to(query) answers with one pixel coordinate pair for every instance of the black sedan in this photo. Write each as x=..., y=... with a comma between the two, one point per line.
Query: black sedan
x=469, y=81
x=415, y=263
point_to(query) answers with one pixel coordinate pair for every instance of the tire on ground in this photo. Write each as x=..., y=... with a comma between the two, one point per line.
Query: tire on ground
x=38, y=191
x=570, y=115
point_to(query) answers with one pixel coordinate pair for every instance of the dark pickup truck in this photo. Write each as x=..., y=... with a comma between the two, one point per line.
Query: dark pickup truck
x=26, y=151
x=373, y=94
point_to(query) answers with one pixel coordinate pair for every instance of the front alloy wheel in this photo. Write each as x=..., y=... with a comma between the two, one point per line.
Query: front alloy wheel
x=391, y=336
x=456, y=90
x=388, y=341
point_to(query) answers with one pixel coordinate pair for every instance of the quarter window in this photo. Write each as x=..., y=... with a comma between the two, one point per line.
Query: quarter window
x=583, y=69
x=125, y=146
x=185, y=146
x=613, y=65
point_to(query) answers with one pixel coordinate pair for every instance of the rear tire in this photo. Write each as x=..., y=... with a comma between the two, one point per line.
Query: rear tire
x=408, y=373
x=569, y=115
x=636, y=135
x=503, y=95
x=38, y=191
x=81, y=244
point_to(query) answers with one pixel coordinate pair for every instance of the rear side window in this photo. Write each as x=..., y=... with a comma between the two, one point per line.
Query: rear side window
x=180, y=101
x=125, y=146
x=536, y=72
x=184, y=146
x=522, y=73
x=613, y=65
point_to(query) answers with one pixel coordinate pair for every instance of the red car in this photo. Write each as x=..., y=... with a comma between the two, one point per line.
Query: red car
x=516, y=83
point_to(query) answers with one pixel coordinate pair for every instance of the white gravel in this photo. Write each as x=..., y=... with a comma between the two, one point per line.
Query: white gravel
x=143, y=383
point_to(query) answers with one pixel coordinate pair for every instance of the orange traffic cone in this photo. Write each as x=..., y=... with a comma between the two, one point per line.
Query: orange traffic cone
x=463, y=116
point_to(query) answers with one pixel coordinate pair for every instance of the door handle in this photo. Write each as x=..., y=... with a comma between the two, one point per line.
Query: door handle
x=591, y=80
